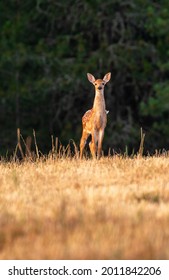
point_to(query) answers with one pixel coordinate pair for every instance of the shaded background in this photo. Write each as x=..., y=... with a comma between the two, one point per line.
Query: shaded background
x=48, y=46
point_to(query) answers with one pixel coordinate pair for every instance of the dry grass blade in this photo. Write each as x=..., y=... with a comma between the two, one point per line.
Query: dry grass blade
x=36, y=146
x=141, y=148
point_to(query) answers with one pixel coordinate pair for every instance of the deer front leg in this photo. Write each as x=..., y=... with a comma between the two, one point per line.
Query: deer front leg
x=83, y=142
x=100, y=141
x=93, y=144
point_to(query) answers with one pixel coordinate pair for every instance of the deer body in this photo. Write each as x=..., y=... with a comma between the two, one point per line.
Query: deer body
x=94, y=120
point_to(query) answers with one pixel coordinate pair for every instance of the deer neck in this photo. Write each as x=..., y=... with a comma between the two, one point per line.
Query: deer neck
x=99, y=102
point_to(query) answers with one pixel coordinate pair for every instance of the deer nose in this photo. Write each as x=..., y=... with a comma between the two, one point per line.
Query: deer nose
x=99, y=88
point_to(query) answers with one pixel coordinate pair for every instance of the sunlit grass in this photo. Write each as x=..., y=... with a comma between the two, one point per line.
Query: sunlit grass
x=66, y=208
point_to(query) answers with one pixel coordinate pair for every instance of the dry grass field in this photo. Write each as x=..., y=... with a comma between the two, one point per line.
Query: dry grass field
x=114, y=208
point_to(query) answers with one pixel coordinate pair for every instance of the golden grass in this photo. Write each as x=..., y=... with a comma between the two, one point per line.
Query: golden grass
x=115, y=208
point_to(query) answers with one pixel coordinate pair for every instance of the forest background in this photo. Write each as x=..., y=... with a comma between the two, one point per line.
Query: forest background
x=48, y=46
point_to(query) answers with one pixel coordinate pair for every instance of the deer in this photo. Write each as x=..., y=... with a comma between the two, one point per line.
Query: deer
x=94, y=120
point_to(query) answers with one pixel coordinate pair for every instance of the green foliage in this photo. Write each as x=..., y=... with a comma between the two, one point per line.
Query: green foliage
x=157, y=105
x=47, y=47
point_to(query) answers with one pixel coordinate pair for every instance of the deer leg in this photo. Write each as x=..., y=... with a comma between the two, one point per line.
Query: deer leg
x=83, y=142
x=100, y=141
x=93, y=144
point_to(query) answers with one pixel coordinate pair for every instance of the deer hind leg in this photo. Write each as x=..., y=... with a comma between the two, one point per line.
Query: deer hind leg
x=93, y=144
x=83, y=142
x=100, y=141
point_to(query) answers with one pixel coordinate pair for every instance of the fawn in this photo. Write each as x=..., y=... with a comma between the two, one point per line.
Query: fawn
x=94, y=120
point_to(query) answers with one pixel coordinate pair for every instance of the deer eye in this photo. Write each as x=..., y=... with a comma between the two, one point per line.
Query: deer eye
x=95, y=84
x=103, y=84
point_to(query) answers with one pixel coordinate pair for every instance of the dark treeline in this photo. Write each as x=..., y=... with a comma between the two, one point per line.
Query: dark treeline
x=48, y=46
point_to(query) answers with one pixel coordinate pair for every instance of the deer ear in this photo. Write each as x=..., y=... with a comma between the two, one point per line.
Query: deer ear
x=91, y=78
x=107, y=77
